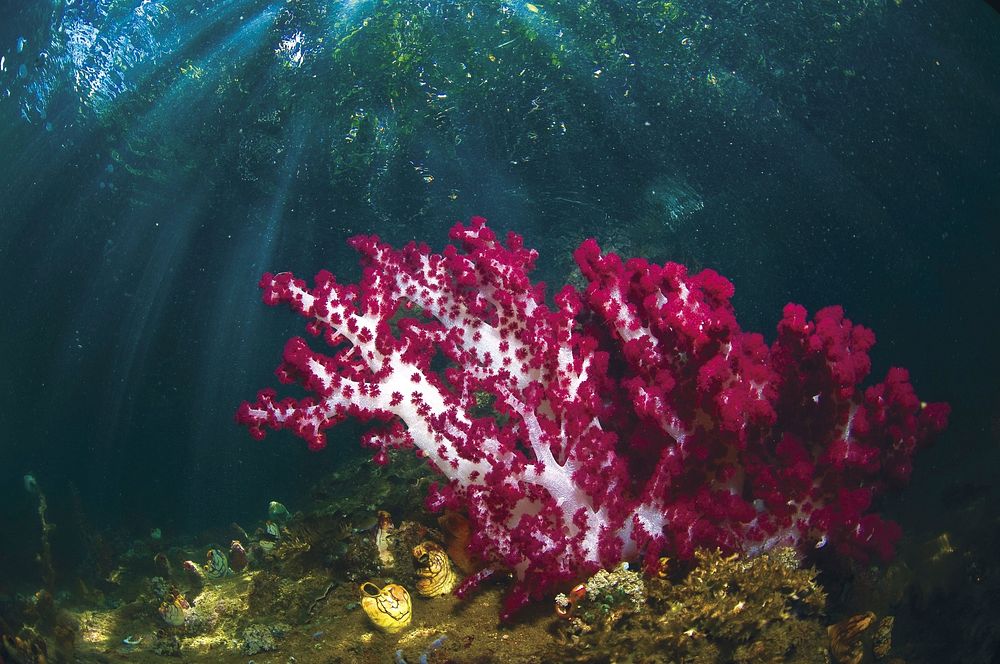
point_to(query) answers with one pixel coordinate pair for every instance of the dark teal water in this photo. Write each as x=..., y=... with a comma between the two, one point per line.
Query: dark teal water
x=158, y=157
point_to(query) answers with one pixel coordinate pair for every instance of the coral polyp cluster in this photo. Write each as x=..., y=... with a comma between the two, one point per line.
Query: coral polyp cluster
x=633, y=419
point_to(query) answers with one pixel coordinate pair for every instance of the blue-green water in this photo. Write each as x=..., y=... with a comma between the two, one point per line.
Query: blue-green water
x=157, y=157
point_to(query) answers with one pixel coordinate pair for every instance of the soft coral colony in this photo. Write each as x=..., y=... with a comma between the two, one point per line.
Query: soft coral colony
x=633, y=419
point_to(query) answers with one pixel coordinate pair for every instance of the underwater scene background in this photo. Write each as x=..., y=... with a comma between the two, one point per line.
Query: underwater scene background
x=159, y=157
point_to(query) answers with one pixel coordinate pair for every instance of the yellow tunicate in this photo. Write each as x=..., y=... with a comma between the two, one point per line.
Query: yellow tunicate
x=389, y=608
x=435, y=574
